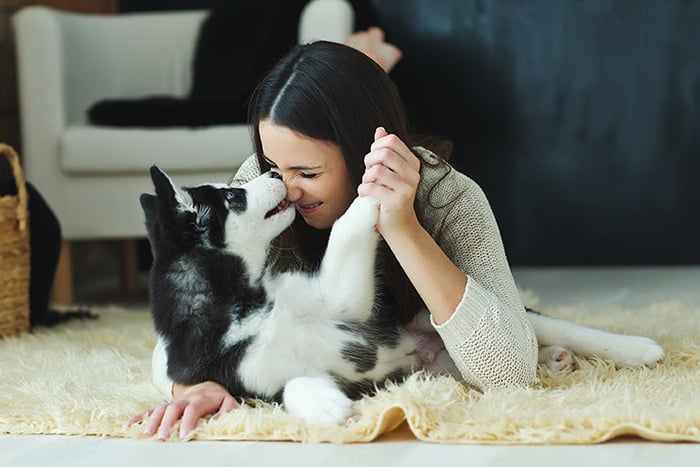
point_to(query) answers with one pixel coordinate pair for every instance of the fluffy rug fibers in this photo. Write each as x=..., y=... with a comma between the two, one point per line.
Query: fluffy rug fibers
x=89, y=378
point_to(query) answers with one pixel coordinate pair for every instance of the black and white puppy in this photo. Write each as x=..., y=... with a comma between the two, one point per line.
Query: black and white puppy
x=312, y=341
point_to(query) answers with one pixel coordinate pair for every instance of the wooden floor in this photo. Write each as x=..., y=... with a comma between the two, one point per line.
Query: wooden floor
x=555, y=286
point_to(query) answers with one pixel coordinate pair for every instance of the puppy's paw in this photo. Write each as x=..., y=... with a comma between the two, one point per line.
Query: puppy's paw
x=362, y=214
x=319, y=401
x=636, y=351
x=555, y=358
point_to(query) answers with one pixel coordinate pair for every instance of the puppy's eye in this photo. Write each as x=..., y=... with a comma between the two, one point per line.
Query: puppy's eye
x=230, y=196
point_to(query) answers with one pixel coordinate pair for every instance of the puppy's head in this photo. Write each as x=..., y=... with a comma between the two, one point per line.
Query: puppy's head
x=216, y=216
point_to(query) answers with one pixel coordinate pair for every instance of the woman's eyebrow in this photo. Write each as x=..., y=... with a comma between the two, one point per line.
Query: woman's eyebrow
x=304, y=167
x=294, y=167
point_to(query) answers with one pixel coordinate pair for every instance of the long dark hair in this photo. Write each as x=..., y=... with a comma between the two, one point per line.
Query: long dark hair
x=331, y=92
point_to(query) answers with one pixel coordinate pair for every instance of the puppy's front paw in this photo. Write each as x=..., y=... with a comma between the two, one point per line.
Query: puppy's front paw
x=361, y=215
x=319, y=401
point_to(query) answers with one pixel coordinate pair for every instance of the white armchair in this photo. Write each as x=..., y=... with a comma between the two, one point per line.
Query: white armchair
x=92, y=176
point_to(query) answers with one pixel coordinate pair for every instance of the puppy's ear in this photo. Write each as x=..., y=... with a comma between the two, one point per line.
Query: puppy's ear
x=150, y=210
x=168, y=191
x=162, y=182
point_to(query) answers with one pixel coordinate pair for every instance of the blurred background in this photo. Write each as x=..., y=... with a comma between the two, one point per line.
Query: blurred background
x=579, y=119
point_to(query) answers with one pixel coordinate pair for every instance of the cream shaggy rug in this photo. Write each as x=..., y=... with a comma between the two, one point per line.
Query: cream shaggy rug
x=88, y=378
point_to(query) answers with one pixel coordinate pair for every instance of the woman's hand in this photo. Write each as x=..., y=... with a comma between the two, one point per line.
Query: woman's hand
x=392, y=173
x=191, y=404
x=391, y=176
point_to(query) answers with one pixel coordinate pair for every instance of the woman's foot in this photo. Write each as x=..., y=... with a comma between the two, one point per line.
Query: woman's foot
x=371, y=43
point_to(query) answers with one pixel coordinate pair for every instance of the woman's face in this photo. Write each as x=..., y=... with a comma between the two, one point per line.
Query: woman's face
x=314, y=172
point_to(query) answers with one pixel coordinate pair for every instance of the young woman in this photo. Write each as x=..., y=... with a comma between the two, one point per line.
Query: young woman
x=329, y=120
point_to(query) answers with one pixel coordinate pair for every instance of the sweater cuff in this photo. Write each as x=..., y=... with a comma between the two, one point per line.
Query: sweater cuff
x=460, y=327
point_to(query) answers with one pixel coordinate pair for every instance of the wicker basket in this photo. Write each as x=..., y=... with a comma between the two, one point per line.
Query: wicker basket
x=14, y=253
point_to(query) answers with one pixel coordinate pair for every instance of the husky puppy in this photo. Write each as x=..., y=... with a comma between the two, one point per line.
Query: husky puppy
x=307, y=340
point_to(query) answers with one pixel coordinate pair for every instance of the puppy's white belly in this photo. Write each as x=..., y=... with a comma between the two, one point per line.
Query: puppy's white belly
x=283, y=352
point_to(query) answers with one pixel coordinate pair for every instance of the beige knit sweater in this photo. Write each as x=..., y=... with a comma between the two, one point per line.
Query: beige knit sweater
x=488, y=336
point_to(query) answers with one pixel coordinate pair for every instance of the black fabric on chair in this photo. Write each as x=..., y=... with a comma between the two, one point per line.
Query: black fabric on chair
x=238, y=40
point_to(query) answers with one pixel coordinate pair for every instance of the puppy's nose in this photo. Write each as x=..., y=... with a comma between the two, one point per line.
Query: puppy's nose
x=275, y=175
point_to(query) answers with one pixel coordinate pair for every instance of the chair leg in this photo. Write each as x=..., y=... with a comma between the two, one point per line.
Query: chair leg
x=129, y=266
x=63, y=282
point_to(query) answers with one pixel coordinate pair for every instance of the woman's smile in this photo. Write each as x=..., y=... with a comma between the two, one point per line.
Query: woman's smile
x=313, y=171
x=308, y=209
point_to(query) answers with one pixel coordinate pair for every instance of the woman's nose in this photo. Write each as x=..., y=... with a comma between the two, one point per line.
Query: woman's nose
x=294, y=193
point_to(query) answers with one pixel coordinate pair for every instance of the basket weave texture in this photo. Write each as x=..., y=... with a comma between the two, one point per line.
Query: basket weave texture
x=14, y=253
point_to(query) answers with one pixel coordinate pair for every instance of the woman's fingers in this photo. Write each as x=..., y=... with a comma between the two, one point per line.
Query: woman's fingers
x=391, y=151
x=228, y=405
x=138, y=418
x=381, y=175
x=156, y=416
x=196, y=409
x=194, y=403
x=173, y=412
x=387, y=187
x=392, y=174
x=193, y=412
x=380, y=132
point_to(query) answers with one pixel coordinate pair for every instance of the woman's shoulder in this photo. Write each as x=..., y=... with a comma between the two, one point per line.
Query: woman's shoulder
x=446, y=194
x=440, y=183
x=248, y=170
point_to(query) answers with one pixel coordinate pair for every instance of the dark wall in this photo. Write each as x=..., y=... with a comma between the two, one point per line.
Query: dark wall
x=580, y=119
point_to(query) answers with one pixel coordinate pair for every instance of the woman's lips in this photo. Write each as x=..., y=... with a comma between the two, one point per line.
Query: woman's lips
x=306, y=209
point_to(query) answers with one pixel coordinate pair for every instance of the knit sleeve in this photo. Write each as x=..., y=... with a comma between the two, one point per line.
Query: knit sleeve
x=491, y=345
x=248, y=170
x=488, y=336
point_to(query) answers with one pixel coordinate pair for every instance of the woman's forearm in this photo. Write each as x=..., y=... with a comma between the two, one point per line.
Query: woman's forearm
x=437, y=280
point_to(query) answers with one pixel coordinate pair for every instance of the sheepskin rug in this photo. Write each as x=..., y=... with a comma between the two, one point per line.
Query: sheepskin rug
x=90, y=377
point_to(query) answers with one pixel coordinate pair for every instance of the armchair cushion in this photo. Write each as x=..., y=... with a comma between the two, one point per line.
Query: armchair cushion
x=87, y=149
x=236, y=42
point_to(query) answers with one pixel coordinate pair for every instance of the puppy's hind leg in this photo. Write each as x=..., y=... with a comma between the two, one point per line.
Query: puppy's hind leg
x=625, y=351
x=316, y=399
x=555, y=358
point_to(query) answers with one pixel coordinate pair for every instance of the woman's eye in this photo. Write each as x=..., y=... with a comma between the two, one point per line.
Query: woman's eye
x=305, y=175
